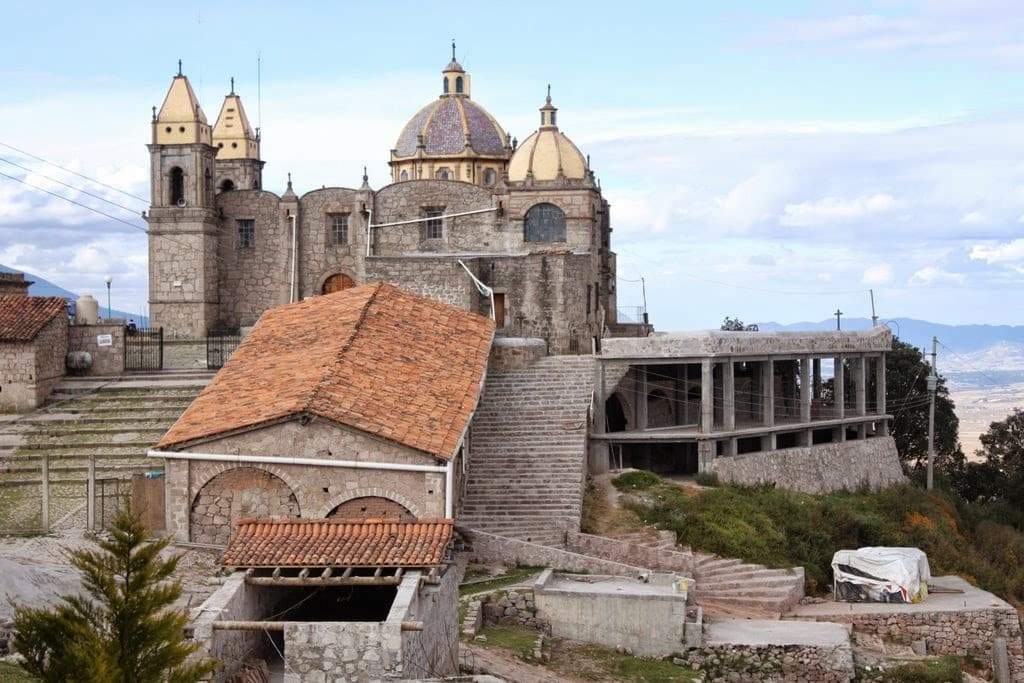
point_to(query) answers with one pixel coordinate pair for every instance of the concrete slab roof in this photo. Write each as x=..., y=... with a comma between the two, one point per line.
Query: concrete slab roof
x=760, y=632
x=712, y=343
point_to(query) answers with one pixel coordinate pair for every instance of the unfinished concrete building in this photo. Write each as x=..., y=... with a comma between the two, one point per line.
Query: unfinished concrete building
x=810, y=406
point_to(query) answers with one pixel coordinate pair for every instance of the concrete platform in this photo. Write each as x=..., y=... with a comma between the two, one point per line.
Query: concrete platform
x=763, y=632
x=972, y=598
x=607, y=585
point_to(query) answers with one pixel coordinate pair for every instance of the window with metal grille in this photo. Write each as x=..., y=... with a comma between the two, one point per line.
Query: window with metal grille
x=337, y=229
x=433, y=227
x=246, y=233
x=544, y=223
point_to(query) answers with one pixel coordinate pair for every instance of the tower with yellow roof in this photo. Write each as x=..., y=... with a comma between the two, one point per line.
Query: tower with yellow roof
x=239, y=166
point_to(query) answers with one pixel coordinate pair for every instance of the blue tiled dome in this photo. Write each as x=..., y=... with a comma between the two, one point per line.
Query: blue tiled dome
x=444, y=123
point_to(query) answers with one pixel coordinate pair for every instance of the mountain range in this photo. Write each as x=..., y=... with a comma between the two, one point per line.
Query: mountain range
x=42, y=287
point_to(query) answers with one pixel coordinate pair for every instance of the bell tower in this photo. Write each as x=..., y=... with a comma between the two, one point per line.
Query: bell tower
x=182, y=218
x=238, y=148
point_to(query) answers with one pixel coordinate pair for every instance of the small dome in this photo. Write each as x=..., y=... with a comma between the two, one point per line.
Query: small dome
x=547, y=154
x=451, y=126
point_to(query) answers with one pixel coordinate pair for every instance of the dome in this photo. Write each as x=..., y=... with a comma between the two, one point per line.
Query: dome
x=452, y=126
x=547, y=154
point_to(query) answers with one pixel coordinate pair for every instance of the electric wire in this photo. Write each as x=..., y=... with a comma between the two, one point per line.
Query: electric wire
x=77, y=189
x=80, y=175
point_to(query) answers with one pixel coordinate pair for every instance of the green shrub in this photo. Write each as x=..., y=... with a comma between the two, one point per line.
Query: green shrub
x=943, y=670
x=639, y=480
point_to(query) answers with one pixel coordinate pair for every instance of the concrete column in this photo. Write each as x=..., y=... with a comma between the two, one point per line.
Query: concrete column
x=729, y=395
x=600, y=425
x=880, y=384
x=816, y=370
x=768, y=442
x=705, y=455
x=860, y=385
x=808, y=437
x=641, y=397
x=707, y=397
x=732, y=446
x=839, y=384
x=806, y=383
x=768, y=392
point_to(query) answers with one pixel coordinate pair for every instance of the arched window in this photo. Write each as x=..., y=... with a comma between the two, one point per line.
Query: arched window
x=490, y=176
x=458, y=84
x=544, y=223
x=177, y=186
x=404, y=175
x=227, y=185
x=443, y=173
x=445, y=85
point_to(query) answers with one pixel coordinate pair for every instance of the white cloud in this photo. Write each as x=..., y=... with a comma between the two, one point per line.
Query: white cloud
x=933, y=275
x=880, y=274
x=837, y=210
x=1006, y=253
x=975, y=218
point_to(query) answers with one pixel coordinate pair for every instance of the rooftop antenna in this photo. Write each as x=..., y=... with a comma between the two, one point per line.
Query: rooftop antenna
x=259, y=91
x=874, y=317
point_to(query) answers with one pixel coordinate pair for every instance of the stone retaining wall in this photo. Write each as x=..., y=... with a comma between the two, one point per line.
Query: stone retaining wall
x=756, y=663
x=621, y=551
x=106, y=360
x=515, y=353
x=818, y=469
x=967, y=632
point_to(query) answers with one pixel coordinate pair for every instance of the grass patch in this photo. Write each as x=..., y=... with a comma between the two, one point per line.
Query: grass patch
x=517, y=639
x=706, y=479
x=596, y=663
x=602, y=518
x=512, y=576
x=780, y=528
x=638, y=480
x=12, y=673
x=942, y=670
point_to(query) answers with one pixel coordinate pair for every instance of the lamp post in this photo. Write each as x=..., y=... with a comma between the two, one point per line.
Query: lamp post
x=108, y=280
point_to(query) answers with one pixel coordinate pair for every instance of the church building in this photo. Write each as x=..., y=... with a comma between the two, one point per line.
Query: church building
x=519, y=231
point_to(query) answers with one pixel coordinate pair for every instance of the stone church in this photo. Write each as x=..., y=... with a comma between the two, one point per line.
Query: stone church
x=471, y=217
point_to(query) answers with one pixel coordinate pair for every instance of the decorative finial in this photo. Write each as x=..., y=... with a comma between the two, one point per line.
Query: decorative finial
x=289, y=180
x=154, y=113
x=549, y=94
x=232, y=85
x=453, y=49
x=179, y=68
x=365, y=176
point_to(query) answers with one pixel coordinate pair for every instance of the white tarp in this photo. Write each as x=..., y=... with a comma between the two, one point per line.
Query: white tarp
x=881, y=575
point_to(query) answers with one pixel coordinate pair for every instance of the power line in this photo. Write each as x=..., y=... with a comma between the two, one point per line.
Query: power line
x=80, y=175
x=77, y=189
x=68, y=199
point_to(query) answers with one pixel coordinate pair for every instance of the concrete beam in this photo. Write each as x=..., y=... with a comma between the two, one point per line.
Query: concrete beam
x=707, y=397
x=839, y=386
x=768, y=392
x=641, y=396
x=806, y=384
x=729, y=395
x=860, y=385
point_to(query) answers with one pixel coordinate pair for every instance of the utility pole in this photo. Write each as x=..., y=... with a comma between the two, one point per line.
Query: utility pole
x=874, y=318
x=933, y=383
x=643, y=291
x=838, y=314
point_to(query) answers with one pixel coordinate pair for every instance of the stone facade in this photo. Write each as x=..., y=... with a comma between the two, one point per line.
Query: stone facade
x=106, y=360
x=371, y=507
x=316, y=491
x=14, y=283
x=485, y=548
x=818, y=469
x=30, y=370
x=515, y=353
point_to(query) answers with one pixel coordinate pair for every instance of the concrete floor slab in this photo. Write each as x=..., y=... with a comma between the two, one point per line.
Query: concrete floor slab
x=971, y=597
x=762, y=632
x=605, y=585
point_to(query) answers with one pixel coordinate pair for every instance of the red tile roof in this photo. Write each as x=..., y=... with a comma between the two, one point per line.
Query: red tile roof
x=337, y=543
x=377, y=358
x=23, y=317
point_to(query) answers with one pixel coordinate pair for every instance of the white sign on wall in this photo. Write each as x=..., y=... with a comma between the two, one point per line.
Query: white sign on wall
x=104, y=340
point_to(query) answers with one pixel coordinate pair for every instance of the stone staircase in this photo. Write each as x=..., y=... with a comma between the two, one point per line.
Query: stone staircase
x=528, y=450
x=728, y=587
x=112, y=419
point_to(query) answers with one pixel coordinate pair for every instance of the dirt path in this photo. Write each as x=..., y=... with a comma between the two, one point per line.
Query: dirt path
x=509, y=667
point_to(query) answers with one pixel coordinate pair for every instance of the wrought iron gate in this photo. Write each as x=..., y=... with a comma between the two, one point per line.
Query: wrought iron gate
x=143, y=348
x=220, y=344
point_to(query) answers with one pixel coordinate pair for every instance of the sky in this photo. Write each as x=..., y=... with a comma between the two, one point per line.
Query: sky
x=767, y=161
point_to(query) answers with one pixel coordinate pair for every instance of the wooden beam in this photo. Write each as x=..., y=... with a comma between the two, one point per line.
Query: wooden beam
x=319, y=581
x=229, y=625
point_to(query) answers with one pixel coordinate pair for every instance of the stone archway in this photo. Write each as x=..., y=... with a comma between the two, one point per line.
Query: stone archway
x=337, y=283
x=236, y=493
x=372, y=507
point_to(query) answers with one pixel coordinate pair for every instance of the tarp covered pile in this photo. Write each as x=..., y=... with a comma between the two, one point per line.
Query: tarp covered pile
x=881, y=575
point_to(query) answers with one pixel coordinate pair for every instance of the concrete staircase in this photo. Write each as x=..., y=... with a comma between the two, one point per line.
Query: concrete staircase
x=528, y=450
x=114, y=419
x=732, y=588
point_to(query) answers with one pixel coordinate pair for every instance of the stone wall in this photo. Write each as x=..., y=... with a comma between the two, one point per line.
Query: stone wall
x=482, y=232
x=756, y=663
x=322, y=651
x=318, y=258
x=317, y=490
x=485, y=547
x=660, y=559
x=434, y=651
x=106, y=360
x=235, y=494
x=967, y=632
x=515, y=353
x=51, y=354
x=30, y=370
x=437, y=277
x=511, y=606
x=184, y=354
x=818, y=469
x=375, y=507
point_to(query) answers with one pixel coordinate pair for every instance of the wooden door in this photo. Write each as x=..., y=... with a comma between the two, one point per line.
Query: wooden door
x=337, y=283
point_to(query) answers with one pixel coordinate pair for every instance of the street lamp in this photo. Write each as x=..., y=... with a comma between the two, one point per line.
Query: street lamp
x=108, y=280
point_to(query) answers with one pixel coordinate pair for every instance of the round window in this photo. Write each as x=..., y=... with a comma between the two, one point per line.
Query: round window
x=181, y=129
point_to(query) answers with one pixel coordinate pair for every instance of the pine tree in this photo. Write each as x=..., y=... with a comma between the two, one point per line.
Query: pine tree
x=121, y=630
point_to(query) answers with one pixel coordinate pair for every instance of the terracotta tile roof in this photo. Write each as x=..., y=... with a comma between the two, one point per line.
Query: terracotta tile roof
x=377, y=358
x=337, y=543
x=23, y=317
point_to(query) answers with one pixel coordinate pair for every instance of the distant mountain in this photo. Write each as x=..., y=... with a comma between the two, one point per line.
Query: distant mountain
x=42, y=287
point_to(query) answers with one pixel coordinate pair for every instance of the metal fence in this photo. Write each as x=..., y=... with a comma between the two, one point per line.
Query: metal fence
x=220, y=344
x=143, y=348
x=630, y=315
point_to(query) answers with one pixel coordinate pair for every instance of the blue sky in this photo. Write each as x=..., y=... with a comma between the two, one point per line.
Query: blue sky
x=771, y=161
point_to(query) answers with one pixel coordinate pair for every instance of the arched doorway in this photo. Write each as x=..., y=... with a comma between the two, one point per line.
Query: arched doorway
x=337, y=283
x=372, y=507
x=234, y=494
x=615, y=415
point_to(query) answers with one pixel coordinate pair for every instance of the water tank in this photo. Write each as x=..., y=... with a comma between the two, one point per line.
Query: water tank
x=87, y=311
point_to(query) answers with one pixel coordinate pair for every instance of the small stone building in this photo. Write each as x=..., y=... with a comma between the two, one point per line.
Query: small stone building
x=352, y=405
x=14, y=284
x=33, y=344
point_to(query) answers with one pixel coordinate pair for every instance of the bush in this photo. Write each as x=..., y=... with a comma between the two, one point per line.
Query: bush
x=639, y=480
x=943, y=670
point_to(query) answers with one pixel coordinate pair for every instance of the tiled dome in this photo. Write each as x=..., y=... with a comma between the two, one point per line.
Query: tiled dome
x=444, y=124
x=547, y=154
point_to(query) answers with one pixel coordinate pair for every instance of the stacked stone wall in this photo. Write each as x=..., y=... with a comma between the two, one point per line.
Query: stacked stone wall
x=51, y=346
x=318, y=258
x=818, y=469
x=30, y=370
x=372, y=507
x=321, y=651
x=485, y=547
x=753, y=664
x=235, y=494
x=439, y=278
x=515, y=353
x=434, y=651
x=630, y=553
x=106, y=360
x=482, y=232
x=968, y=632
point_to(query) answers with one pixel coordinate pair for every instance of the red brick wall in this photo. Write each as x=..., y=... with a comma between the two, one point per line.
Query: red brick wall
x=371, y=507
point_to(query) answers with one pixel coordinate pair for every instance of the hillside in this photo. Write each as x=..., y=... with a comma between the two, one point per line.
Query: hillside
x=42, y=287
